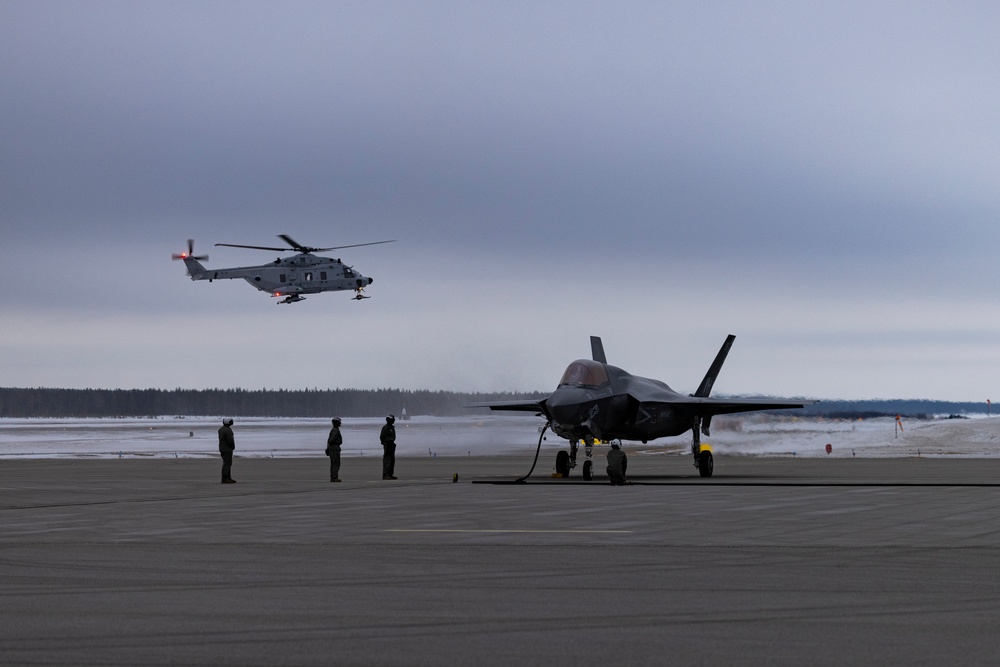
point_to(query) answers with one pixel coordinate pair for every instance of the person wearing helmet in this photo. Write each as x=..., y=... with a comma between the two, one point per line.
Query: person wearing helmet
x=617, y=462
x=333, y=443
x=227, y=445
x=388, y=438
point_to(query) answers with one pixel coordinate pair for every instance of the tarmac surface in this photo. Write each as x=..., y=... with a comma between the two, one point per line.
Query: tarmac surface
x=776, y=561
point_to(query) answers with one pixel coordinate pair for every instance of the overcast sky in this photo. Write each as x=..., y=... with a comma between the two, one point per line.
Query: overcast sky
x=818, y=178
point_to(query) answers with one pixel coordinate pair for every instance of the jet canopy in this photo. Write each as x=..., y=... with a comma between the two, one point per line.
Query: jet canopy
x=584, y=373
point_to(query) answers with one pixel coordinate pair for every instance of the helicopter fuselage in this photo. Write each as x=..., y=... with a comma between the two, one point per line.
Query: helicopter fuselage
x=303, y=273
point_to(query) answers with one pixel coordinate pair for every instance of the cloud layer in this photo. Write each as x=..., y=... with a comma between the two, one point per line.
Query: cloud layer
x=817, y=178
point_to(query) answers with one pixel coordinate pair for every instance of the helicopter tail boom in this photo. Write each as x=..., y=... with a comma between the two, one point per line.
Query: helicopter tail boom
x=195, y=268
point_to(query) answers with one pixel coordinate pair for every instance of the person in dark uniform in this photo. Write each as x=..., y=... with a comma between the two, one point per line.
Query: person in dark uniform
x=333, y=443
x=227, y=444
x=388, y=438
x=617, y=462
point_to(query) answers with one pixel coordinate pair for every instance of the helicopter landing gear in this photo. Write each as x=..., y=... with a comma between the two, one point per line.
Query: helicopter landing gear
x=292, y=298
x=358, y=296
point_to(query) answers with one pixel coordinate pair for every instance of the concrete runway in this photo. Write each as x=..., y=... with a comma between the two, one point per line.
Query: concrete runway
x=772, y=561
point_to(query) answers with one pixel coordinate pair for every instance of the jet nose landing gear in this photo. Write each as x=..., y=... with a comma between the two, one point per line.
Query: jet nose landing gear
x=566, y=461
x=562, y=463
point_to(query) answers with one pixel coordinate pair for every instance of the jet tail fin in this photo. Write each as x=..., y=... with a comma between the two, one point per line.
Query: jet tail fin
x=597, y=349
x=705, y=388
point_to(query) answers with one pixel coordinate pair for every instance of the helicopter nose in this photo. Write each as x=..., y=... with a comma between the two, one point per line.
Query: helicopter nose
x=370, y=281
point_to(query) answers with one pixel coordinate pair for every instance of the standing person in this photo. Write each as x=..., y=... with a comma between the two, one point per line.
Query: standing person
x=617, y=462
x=333, y=443
x=227, y=445
x=388, y=438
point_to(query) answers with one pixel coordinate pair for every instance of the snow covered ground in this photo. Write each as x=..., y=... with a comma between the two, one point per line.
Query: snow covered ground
x=751, y=435
x=765, y=435
x=198, y=436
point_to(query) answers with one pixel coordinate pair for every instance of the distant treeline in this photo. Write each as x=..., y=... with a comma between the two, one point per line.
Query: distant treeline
x=53, y=403
x=913, y=408
x=26, y=403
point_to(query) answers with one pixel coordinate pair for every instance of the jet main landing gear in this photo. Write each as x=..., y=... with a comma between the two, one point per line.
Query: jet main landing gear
x=703, y=459
x=562, y=463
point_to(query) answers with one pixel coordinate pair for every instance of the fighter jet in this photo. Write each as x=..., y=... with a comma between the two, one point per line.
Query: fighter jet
x=595, y=401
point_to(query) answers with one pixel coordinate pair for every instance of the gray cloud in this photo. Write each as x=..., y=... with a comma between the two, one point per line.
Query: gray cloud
x=659, y=166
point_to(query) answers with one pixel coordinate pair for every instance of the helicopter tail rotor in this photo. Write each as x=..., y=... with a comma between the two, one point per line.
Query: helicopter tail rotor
x=189, y=254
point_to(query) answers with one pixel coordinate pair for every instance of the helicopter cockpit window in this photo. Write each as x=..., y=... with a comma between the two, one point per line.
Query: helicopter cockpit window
x=584, y=373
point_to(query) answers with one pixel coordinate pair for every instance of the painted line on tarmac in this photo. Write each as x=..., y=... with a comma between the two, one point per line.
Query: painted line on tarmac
x=500, y=530
x=707, y=483
x=163, y=499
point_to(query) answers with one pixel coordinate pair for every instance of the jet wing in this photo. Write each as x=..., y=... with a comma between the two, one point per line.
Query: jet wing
x=537, y=407
x=725, y=406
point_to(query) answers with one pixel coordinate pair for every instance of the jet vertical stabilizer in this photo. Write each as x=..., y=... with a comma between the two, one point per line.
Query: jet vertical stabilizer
x=597, y=349
x=705, y=388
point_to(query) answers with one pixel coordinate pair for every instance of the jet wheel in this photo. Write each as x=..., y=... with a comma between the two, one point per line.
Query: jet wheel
x=706, y=465
x=588, y=470
x=562, y=463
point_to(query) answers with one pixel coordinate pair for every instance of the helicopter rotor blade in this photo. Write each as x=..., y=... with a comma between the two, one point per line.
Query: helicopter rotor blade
x=292, y=242
x=356, y=245
x=254, y=247
x=284, y=237
x=295, y=245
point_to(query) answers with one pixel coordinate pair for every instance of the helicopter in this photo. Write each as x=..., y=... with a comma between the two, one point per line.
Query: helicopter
x=288, y=277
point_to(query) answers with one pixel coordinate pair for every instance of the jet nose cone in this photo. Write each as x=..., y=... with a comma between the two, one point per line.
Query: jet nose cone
x=562, y=404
